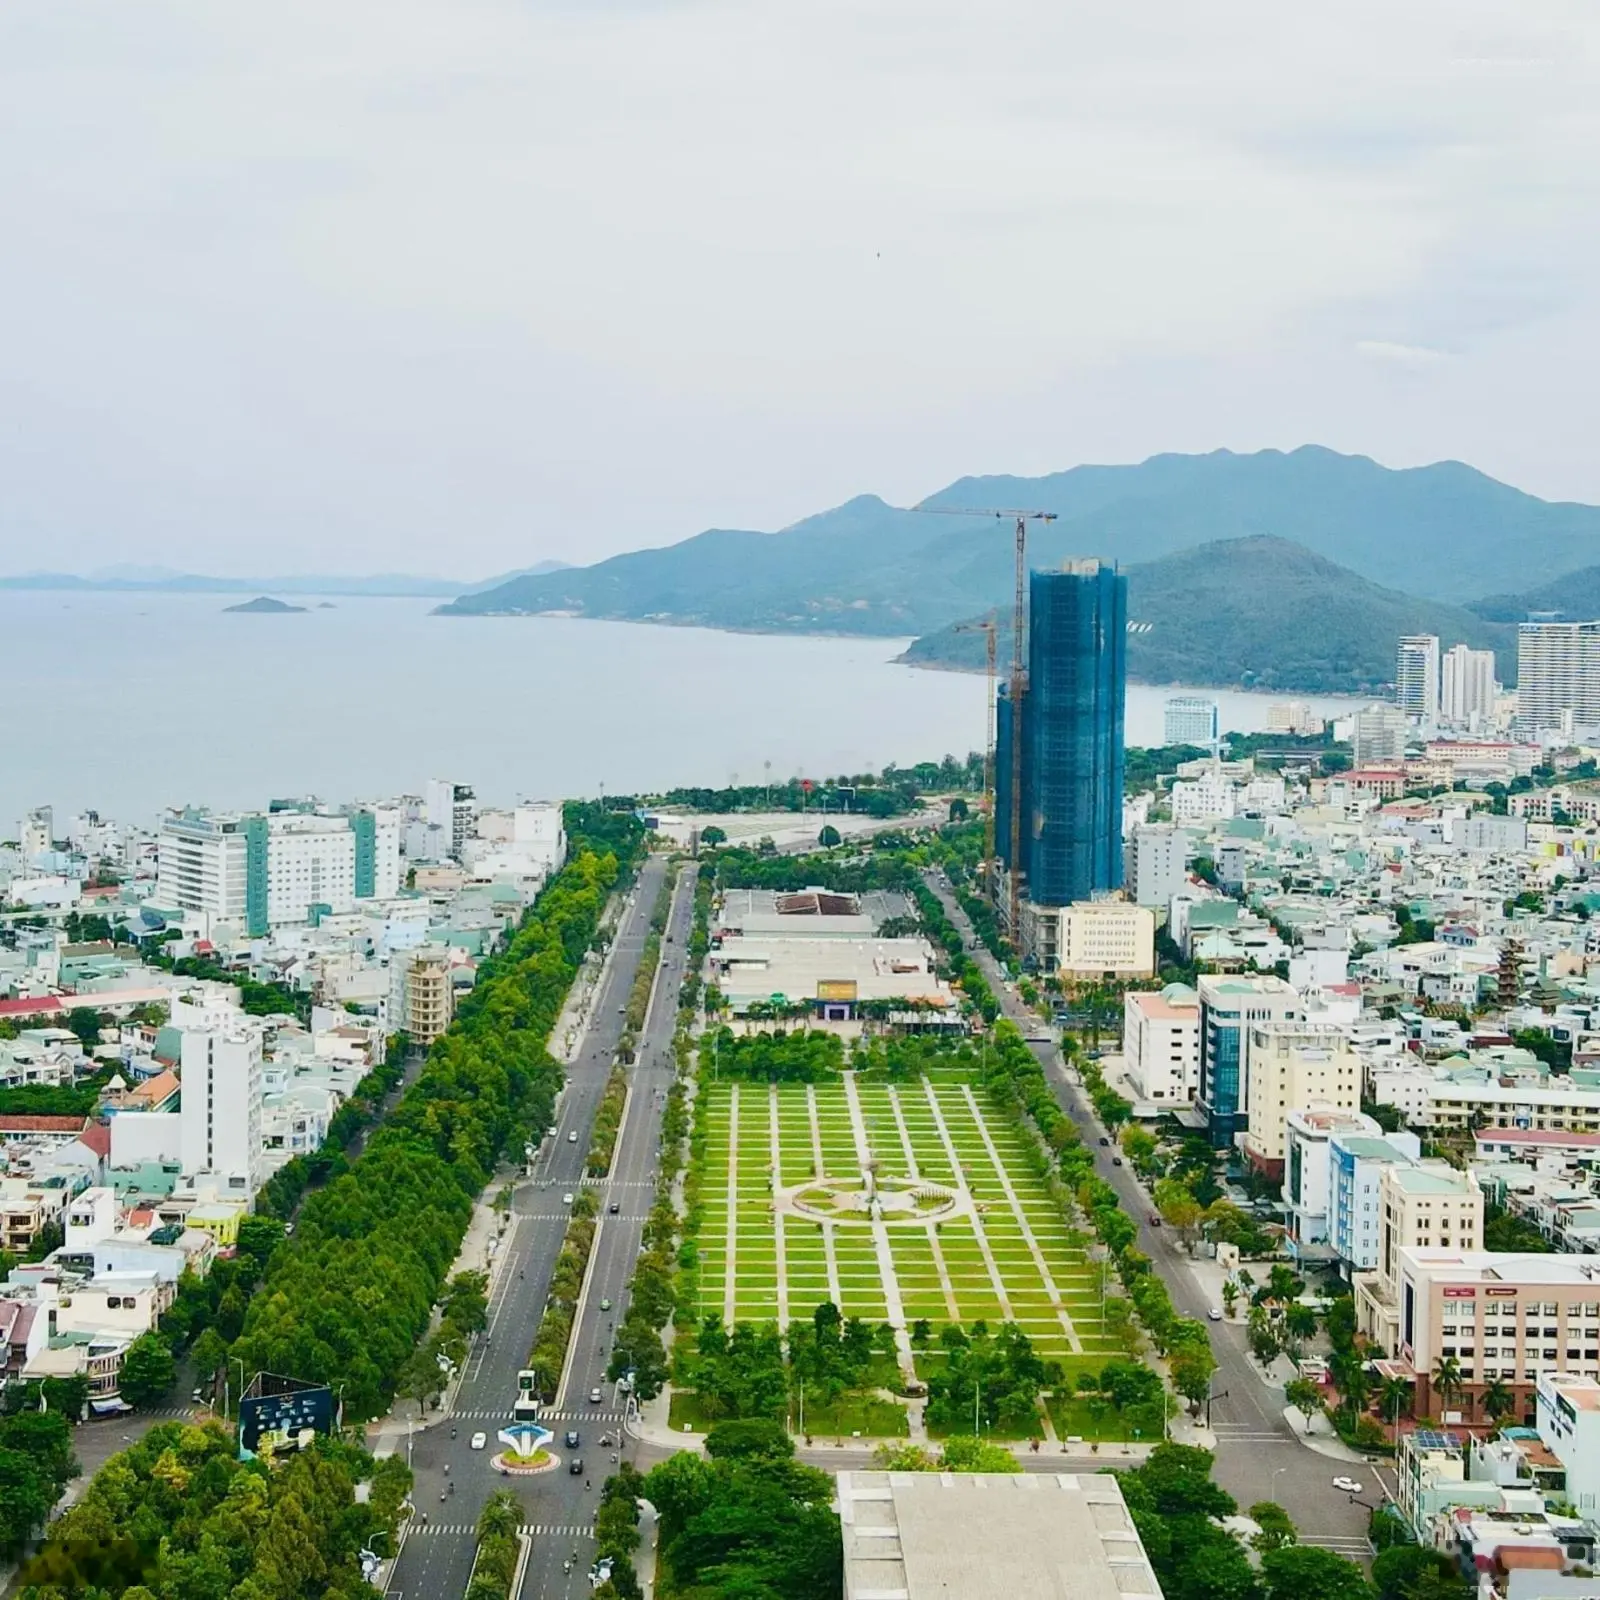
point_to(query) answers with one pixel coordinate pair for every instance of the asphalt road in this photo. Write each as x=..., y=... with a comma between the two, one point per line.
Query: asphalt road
x=1259, y=1456
x=436, y=1562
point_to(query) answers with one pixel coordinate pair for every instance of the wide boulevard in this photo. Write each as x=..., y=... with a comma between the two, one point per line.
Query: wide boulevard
x=437, y=1558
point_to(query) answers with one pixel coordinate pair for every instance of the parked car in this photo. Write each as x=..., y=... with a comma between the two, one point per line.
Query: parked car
x=1214, y=1314
x=1349, y=1485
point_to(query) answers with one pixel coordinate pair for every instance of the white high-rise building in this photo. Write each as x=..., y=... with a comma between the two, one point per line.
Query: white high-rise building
x=311, y=861
x=1558, y=676
x=201, y=866
x=1466, y=687
x=219, y=1109
x=1191, y=720
x=449, y=807
x=1416, y=677
x=1157, y=860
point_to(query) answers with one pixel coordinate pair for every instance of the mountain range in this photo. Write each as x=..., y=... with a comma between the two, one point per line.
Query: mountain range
x=1291, y=570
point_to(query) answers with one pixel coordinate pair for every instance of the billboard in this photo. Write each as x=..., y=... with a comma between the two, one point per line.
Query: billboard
x=836, y=989
x=281, y=1415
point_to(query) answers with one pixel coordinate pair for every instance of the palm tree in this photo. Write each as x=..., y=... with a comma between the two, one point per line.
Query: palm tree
x=501, y=1516
x=1393, y=1394
x=1447, y=1379
x=1498, y=1400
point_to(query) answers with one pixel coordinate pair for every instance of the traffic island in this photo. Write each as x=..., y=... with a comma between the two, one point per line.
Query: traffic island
x=515, y=1466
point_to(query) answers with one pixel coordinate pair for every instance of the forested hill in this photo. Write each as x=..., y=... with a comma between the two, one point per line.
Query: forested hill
x=1444, y=531
x=1261, y=613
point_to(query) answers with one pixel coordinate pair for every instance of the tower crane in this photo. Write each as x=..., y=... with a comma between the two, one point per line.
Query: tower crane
x=989, y=627
x=1018, y=684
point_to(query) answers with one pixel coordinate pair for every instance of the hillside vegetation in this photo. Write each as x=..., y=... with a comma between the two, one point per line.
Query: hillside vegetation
x=1262, y=613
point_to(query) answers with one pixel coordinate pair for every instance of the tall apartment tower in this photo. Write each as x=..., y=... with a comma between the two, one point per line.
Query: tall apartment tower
x=1558, y=676
x=1229, y=1008
x=219, y=1109
x=1070, y=726
x=1188, y=719
x=450, y=808
x=1466, y=687
x=1416, y=677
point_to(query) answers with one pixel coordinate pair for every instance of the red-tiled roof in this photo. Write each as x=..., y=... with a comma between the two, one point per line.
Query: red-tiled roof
x=1549, y=1136
x=20, y=1124
x=97, y=1137
x=30, y=1008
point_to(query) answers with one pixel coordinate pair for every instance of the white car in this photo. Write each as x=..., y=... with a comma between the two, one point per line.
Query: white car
x=594, y=1397
x=1214, y=1314
x=479, y=1440
x=566, y=1199
x=572, y=1138
x=1349, y=1485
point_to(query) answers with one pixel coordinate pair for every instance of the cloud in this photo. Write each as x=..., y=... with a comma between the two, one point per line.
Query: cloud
x=390, y=283
x=1416, y=357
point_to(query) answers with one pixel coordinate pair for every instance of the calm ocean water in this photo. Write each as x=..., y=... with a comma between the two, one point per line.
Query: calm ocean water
x=131, y=702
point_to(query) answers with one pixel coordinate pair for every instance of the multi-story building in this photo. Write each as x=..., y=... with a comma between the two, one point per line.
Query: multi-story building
x=1503, y=1317
x=1156, y=864
x=1568, y=1419
x=1356, y=1164
x=1427, y=1205
x=1294, y=716
x=1229, y=1007
x=1558, y=676
x=1416, y=677
x=1308, y=1169
x=421, y=995
x=1161, y=1042
x=1205, y=798
x=37, y=834
x=271, y=868
x=1294, y=1066
x=1069, y=730
x=219, y=1111
x=1465, y=1095
x=1467, y=687
x=1100, y=939
x=1378, y=734
x=449, y=807
x=1191, y=720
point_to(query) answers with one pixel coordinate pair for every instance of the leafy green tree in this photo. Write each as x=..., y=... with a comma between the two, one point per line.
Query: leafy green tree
x=1397, y=1571
x=1276, y=1528
x=828, y=837
x=1305, y=1397
x=148, y=1370
x=1447, y=1382
x=1498, y=1401
x=1304, y=1572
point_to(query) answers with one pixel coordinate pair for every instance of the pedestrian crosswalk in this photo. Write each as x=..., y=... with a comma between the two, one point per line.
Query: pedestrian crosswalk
x=1356, y=1548
x=552, y=1530
x=1239, y=1433
x=456, y=1528
x=586, y=1415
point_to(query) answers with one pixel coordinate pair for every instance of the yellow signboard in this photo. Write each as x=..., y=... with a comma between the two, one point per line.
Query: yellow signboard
x=836, y=989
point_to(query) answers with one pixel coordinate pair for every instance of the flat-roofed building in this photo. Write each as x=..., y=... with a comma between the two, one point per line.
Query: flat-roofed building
x=1161, y=1042
x=1295, y=1066
x=990, y=1536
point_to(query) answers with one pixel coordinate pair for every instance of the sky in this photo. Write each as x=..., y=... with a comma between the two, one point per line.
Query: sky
x=452, y=288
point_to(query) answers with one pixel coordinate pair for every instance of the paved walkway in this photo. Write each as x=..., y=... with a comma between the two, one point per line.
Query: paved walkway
x=779, y=1242
x=893, y=1305
x=1040, y=1264
x=816, y=1132
x=978, y=1234
x=730, y=1265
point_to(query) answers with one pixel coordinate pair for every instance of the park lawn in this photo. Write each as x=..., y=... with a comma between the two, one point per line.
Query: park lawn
x=870, y=1417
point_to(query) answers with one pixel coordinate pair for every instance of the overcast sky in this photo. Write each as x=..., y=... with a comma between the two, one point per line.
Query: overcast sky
x=454, y=287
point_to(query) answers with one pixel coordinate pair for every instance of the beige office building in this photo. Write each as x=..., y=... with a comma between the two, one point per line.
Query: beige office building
x=1295, y=1066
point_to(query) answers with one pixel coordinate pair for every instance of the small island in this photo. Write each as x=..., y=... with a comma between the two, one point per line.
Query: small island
x=264, y=606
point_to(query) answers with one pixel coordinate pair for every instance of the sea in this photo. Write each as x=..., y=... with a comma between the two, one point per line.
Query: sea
x=132, y=702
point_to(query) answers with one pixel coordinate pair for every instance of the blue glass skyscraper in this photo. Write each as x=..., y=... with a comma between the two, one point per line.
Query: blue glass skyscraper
x=1071, y=727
